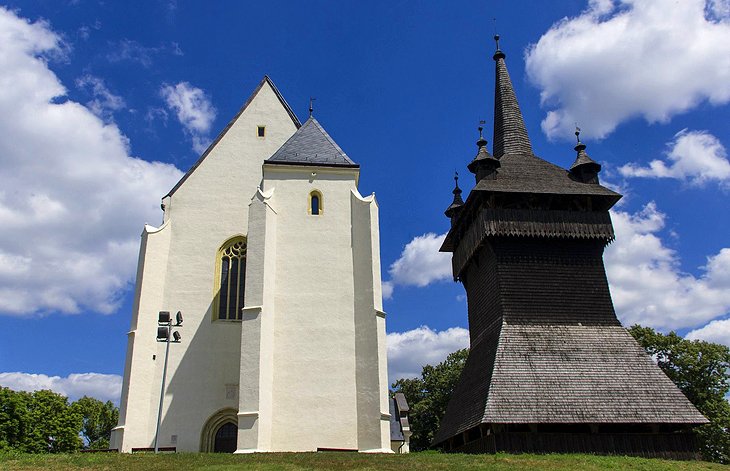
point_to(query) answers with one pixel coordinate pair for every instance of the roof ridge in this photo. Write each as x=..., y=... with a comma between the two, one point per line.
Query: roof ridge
x=290, y=112
x=281, y=98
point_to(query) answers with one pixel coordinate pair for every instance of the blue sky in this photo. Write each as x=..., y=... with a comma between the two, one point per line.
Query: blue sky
x=104, y=104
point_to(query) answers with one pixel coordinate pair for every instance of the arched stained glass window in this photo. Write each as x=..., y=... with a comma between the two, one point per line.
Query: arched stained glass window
x=315, y=203
x=231, y=267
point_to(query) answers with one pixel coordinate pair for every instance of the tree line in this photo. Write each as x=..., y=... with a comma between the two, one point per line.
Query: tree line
x=698, y=368
x=46, y=422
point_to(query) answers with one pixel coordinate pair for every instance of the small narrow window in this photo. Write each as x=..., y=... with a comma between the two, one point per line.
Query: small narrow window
x=315, y=203
x=261, y=131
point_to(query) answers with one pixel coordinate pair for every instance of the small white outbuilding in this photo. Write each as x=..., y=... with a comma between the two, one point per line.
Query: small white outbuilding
x=273, y=257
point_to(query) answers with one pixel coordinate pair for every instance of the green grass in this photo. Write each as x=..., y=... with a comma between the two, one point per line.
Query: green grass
x=341, y=461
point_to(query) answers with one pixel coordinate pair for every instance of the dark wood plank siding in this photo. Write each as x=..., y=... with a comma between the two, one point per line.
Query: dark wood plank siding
x=676, y=446
x=553, y=281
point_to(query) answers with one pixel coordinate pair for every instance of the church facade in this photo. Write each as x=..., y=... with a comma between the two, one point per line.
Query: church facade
x=273, y=257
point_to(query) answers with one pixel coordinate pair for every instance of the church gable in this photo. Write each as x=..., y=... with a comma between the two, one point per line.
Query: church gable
x=256, y=122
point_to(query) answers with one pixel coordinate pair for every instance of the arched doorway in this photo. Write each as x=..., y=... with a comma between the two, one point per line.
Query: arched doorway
x=225, y=438
x=220, y=432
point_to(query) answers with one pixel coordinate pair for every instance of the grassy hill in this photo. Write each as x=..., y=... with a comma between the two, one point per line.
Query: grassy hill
x=342, y=461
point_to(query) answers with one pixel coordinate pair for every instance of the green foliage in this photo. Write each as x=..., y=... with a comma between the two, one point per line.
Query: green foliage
x=13, y=409
x=700, y=370
x=99, y=418
x=429, y=395
x=38, y=422
x=45, y=422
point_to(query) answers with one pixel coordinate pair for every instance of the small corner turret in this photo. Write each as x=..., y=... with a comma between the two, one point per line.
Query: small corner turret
x=484, y=164
x=584, y=169
x=455, y=208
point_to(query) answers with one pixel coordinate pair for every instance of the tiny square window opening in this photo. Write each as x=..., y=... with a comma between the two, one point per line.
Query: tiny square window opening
x=261, y=131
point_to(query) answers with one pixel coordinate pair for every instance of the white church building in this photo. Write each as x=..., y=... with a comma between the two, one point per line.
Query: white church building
x=273, y=257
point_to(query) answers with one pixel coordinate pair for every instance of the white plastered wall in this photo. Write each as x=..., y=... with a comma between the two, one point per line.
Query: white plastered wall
x=208, y=208
x=321, y=378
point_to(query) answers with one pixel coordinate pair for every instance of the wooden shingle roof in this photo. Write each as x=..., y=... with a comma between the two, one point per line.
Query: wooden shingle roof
x=510, y=133
x=564, y=374
x=527, y=173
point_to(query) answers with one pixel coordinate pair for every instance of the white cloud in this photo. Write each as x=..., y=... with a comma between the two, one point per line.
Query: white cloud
x=420, y=264
x=630, y=58
x=410, y=351
x=647, y=284
x=194, y=111
x=716, y=332
x=387, y=289
x=72, y=199
x=74, y=386
x=129, y=50
x=695, y=156
x=104, y=101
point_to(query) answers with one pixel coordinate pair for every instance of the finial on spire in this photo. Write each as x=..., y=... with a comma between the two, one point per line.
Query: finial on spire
x=579, y=146
x=584, y=169
x=498, y=54
x=456, y=182
x=481, y=142
x=311, y=105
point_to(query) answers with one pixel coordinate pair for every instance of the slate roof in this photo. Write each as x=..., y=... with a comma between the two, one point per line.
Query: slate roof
x=311, y=145
x=398, y=416
x=396, y=433
x=564, y=374
x=283, y=102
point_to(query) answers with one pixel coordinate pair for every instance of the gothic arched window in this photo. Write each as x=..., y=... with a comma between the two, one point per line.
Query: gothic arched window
x=231, y=279
x=315, y=203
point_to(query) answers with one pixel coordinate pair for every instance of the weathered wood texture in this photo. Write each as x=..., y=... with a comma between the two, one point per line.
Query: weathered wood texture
x=546, y=346
x=674, y=446
x=529, y=223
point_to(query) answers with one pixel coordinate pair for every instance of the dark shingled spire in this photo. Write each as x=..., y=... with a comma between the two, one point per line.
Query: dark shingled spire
x=453, y=210
x=584, y=169
x=510, y=134
x=484, y=164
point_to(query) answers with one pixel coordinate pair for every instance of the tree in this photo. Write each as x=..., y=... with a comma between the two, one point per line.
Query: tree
x=429, y=395
x=38, y=422
x=700, y=370
x=98, y=420
x=13, y=417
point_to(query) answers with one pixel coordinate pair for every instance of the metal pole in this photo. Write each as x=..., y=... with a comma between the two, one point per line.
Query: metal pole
x=162, y=388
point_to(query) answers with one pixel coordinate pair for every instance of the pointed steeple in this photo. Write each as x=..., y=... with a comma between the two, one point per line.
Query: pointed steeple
x=510, y=134
x=484, y=164
x=453, y=210
x=584, y=169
